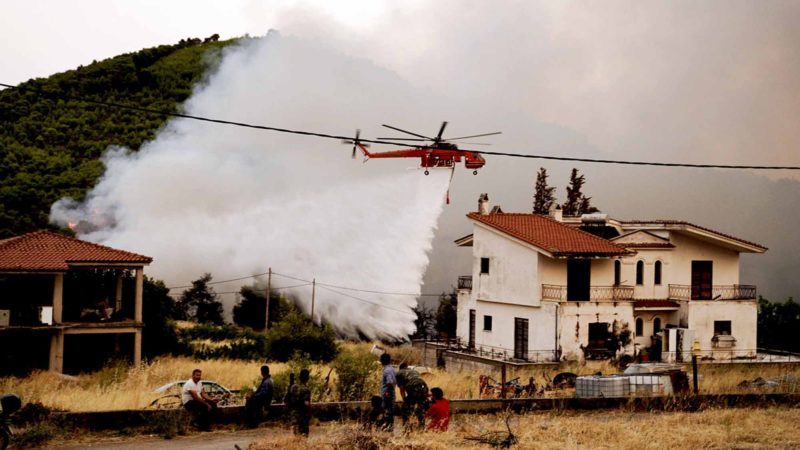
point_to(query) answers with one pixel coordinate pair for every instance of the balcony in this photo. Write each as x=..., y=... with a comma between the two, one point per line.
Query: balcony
x=596, y=293
x=719, y=292
x=465, y=282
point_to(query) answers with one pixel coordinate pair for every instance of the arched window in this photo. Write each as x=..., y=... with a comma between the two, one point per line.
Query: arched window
x=656, y=325
x=657, y=273
x=640, y=272
x=639, y=326
x=617, y=272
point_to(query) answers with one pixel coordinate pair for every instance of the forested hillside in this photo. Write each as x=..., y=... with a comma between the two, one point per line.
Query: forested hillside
x=51, y=138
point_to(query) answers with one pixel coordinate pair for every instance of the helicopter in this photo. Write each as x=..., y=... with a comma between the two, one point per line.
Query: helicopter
x=439, y=153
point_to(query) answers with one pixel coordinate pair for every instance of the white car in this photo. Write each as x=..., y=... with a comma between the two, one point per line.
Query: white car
x=171, y=394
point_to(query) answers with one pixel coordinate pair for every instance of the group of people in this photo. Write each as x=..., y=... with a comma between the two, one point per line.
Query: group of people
x=204, y=407
x=417, y=401
x=415, y=396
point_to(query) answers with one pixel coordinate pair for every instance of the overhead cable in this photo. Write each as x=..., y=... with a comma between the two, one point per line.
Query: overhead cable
x=384, y=142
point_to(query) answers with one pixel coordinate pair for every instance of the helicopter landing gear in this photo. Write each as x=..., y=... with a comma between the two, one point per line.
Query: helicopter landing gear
x=474, y=172
x=427, y=173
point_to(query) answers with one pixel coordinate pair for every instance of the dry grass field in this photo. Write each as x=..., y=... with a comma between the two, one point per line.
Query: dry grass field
x=120, y=387
x=619, y=430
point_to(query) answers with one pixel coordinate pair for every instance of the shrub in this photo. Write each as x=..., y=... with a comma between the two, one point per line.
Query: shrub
x=358, y=375
x=297, y=333
x=316, y=383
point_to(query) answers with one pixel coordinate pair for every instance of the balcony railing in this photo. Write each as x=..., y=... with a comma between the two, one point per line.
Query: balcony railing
x=596, y=293
x=721, y=292
x=465, y=282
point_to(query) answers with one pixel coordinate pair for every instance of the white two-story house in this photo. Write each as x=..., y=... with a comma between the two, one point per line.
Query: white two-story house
x=547, y=288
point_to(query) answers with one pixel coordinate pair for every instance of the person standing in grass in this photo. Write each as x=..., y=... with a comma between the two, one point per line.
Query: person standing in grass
x=196, y=401
x=414, y=392
x=298, y=399
x=260, y=400
x=388, y=382
x=439, y=412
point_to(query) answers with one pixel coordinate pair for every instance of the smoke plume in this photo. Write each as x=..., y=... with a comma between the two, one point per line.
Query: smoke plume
x=234, y=201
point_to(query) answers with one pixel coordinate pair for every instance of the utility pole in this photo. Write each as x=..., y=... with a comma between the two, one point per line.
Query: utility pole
x=313, y=291
x=269, y=288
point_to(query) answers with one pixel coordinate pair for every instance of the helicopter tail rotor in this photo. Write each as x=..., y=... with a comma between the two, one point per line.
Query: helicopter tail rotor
x=356, y=143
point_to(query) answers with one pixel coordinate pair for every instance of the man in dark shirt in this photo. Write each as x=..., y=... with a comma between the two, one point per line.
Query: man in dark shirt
x=298, y=399
x=260, y=400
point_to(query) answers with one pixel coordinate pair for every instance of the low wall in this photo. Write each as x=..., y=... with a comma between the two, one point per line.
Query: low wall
x=354, y=410
x=434, y=354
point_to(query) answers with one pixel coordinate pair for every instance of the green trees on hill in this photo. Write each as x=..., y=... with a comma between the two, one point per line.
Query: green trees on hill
x=51, y=135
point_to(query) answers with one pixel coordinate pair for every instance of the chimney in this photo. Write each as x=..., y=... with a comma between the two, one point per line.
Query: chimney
x=555, y=213
x=483, y=204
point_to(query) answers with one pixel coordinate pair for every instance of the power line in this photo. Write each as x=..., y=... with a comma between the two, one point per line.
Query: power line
x=365, y=301
x=358, y=290
x=221, y=281
x=384, y=142
x=306, y=283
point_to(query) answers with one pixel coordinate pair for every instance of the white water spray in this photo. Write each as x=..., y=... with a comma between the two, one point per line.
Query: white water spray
x=235, y=201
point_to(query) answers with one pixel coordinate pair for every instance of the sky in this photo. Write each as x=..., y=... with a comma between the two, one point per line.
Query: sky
x=679, y=81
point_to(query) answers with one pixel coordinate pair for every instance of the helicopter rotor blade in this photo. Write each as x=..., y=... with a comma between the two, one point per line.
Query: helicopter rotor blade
x=475, y=135
x=473, y=143
x=441, y=130
x=406, y=132
x=402, y=139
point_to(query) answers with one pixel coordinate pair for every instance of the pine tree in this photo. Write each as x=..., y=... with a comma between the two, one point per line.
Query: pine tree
x=199, y=303
x=577, y=203
x=543, y=197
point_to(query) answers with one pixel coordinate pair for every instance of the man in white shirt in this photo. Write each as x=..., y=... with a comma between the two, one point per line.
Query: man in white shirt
x=196, y=401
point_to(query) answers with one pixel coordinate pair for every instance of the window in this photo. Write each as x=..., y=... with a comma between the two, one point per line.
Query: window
x=487, y=323
x=639, y=327
x=617, y=272
x=722, y=327
x=656, y=325
x=485, y=265
x=657, y=273
x=640, y=273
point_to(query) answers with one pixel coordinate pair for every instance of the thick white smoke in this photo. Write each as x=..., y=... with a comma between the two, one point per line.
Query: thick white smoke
x=234, y=201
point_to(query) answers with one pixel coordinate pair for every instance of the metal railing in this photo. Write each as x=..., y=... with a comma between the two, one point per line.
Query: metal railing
x=718, y=292
x=497, y=353
x=465, y=282
x=596, y=293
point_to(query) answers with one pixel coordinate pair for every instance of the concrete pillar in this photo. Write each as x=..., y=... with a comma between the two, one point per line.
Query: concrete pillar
x=138, y=299
x=118, y=305
x=57, y=352
x=137, y=337
x=58, y=297
x=137, y=347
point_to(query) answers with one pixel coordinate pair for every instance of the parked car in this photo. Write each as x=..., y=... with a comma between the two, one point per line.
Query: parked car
x=171, y=394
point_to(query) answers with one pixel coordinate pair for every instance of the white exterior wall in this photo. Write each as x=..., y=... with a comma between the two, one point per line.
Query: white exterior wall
x=648, y=289
x=541, y=326
x=648, y=319
x=513, y=275
x=725, y=267
x=743, y=315
x=465, y=303
x=575, y=318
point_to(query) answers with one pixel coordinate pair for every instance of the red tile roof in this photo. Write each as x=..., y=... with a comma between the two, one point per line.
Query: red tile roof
x=689, y=224
x=48, y=251
x=654, y=303
x=549, y=235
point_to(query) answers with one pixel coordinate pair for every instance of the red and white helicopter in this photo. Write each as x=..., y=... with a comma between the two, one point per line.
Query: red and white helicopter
x=439, y=153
